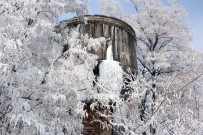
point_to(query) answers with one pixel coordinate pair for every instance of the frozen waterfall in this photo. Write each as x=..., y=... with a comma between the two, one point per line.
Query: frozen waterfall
x=109, y=53
x=111, y=73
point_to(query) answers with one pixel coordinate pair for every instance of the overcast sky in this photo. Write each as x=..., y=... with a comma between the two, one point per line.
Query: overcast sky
x=194, y=18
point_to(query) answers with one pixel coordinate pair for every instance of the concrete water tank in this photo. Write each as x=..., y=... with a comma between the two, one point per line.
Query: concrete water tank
x=119, y=32
x=122, y=47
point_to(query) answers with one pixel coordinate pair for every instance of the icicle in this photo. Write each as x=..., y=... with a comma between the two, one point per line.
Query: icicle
x=109, y=53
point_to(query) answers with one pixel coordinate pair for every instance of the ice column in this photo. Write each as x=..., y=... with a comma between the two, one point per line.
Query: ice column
x=109, y=53
x=111, y=73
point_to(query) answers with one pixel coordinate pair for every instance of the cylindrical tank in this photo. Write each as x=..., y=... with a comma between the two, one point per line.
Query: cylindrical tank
x=120, y=33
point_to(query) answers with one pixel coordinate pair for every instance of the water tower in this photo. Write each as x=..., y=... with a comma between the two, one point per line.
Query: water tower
x=121, y=35
x=119, y=53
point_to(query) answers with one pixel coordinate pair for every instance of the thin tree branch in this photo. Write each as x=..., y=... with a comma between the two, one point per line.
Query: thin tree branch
x=144, y=65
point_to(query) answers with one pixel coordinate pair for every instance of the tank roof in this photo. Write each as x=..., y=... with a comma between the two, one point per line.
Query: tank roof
x=101, y=19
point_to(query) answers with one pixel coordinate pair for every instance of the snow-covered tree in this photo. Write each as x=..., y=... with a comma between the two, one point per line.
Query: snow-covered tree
x=167, y=62
x=44, y=84
x=38, y=91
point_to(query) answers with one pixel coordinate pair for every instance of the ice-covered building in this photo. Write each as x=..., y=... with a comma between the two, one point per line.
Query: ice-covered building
x=120, y=33
x=119, y=52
